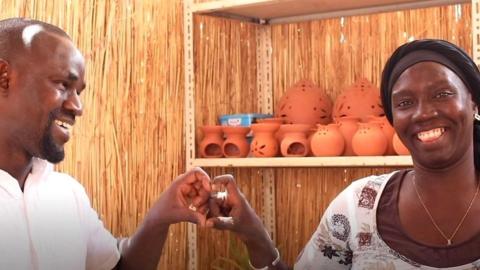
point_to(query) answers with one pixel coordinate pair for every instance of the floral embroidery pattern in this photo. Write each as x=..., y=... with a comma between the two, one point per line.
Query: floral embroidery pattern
x=364, y=239
x=367, y=198
x=340, y=227
x=329, y=252
x=345, y=256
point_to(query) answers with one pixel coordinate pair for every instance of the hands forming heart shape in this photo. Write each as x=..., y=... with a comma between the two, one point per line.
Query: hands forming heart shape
x=214, y=203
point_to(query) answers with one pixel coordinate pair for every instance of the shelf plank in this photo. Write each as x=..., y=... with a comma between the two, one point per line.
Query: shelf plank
x=283, y=11
x=363, y=161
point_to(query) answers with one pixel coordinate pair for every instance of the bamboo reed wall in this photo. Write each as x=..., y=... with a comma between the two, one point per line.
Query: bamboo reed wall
x=128, y=145
x=333, y=53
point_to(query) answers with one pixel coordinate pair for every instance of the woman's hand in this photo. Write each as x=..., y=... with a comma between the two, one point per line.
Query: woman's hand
x=229, y=210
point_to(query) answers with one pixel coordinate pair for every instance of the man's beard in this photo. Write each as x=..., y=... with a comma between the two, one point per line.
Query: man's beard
x=51, y=151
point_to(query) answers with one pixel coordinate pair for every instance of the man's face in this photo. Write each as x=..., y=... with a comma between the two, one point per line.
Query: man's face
x=44, y=90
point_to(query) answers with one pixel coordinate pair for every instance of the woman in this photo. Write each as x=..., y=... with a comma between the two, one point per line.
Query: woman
x=425, y=217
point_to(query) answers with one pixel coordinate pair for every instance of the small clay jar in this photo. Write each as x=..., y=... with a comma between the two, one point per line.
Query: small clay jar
x=294, y=142
x=348, y=125
x=236, y=144
x=211, y=144
x=387, y=130
x=327, y=141
x=264, y=143
x=369, y=140
x=399, y=147
x=277, y=120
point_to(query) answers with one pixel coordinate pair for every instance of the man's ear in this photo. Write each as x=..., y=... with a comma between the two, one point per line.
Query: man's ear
x=4, y=76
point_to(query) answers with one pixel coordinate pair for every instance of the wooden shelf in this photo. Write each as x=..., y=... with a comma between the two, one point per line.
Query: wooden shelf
x=372, y=161
x=283, y=11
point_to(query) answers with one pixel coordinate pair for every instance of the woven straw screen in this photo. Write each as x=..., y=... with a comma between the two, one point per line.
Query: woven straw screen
x=128, y=145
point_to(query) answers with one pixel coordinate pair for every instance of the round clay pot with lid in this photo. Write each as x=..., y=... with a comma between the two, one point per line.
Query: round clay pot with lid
x=236, y=144
x=369, y=140
x=328, y=141
x=264, y=143
x=294, y=142
x=348, y=125
x=359, y=100
x=212, y=142
x=304, y=103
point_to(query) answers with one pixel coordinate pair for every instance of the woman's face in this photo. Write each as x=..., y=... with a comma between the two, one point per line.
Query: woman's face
x=433, y=115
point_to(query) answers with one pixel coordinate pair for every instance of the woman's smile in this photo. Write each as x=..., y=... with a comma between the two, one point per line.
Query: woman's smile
x=430, y=136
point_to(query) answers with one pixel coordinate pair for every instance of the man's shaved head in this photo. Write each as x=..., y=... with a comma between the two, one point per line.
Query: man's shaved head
x=17, y=34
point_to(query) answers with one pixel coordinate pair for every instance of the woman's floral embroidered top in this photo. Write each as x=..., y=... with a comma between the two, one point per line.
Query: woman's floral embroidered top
x=347, y=236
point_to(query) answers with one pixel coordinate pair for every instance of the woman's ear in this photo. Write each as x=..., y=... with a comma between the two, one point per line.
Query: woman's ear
x=4, y=77
x=475, y=112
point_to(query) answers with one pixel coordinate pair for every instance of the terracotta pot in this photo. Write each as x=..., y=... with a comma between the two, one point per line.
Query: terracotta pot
x=264, y=143
x=348, y=127
x=304, y=103
x=387, y=130
x=369, y=140
x=211, y=144
x=294, y=142
x=359, y=100
x=236, y=144
x=328, y=141
x=278, y=120
x=310, y=134
x=399, y=147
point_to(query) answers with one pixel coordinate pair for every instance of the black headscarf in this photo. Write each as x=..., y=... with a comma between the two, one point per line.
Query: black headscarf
x=442, y=52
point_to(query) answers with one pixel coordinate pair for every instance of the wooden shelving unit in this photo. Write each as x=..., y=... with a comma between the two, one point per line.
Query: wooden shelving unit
x=265, y=13
x=371, y=161
x=283, y=11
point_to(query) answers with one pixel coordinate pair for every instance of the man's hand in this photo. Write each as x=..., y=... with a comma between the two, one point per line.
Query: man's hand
x=186, y=199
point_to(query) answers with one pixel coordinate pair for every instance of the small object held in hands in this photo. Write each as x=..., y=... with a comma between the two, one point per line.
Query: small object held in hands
x=222, y=195
x=228, y=220
x=192, y=207
x=219, y=191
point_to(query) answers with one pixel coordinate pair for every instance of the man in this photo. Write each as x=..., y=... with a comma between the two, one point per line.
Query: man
x=46, y=218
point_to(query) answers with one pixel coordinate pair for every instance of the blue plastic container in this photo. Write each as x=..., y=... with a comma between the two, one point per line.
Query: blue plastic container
x=245, y=119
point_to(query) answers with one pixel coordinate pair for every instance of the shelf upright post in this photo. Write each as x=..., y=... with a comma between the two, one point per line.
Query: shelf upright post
x=476, y=31
x=265, y=100
x=189, y=124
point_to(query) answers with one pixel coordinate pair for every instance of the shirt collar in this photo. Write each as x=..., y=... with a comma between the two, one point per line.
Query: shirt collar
x=40, y=169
